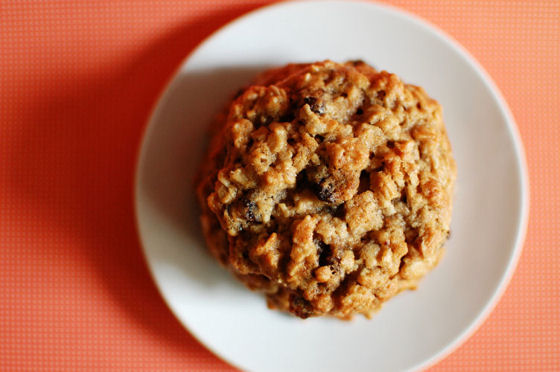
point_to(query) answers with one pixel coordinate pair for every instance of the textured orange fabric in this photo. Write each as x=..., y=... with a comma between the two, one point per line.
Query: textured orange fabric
x=77, y=81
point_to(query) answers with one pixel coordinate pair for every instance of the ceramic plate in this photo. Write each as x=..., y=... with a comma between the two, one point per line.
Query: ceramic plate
x=415, y=328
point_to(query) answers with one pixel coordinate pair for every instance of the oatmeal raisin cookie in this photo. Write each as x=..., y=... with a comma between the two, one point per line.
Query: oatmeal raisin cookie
x=328, y=187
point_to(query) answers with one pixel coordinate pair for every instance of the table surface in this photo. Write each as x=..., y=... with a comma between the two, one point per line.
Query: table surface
x=77, y=82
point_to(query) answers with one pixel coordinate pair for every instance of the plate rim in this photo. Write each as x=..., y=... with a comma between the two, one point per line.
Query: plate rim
x=448, y=40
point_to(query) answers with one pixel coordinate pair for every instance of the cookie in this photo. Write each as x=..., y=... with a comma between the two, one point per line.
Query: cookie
x=328, y=187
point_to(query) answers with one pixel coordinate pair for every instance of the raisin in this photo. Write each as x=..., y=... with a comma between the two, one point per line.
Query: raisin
x=250, y=214
x=314, y=104
x=310, y=101
x=300, y=306
x=250, y=209
x=324, y=191
x=357, y=62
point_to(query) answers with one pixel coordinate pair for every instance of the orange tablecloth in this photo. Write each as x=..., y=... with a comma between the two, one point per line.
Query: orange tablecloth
x=77, y=82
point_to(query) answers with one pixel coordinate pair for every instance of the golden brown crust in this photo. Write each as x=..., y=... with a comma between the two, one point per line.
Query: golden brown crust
x=328, y=187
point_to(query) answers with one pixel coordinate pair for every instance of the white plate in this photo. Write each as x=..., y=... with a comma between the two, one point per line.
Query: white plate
x=414, y=329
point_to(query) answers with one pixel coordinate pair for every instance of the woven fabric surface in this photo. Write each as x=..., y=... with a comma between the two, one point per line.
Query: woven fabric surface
x=77, y=82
